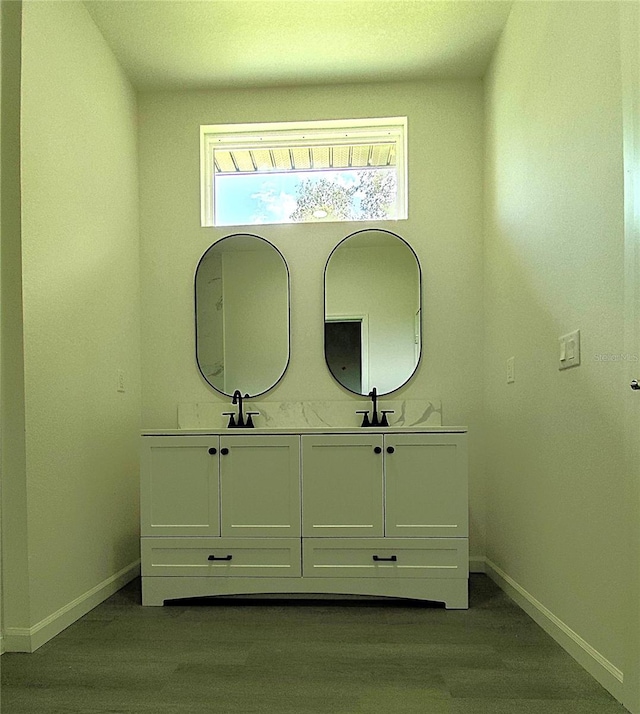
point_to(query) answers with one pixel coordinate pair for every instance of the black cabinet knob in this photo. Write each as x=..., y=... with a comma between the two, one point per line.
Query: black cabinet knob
x=390, y=449
x=220, y=557
x=213, y=451
x=224, y=451
x=377, y=450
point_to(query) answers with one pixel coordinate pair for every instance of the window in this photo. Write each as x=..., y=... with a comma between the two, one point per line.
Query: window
x=300, y=172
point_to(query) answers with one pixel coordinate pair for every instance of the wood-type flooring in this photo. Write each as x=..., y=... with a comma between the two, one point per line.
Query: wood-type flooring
x=302, y=657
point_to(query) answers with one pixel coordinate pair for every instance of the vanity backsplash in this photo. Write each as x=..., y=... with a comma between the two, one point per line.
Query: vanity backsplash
x=279, y=415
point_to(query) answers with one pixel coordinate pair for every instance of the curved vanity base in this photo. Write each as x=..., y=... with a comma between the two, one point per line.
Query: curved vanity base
x=375, y=513
x=453, y=592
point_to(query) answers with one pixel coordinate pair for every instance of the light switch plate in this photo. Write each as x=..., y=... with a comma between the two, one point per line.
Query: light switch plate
x=569, y=350
x=511, y=370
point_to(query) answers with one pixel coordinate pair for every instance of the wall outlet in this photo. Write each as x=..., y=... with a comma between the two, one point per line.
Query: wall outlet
x=120, y=381
x=569, y=350
x=511, y=370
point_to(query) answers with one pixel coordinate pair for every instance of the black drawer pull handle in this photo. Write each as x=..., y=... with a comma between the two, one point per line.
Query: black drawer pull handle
x=226, y=557
x=224, y=451
x=377, y=450
x=390, y=449
x=391, y=558
x=213, y=451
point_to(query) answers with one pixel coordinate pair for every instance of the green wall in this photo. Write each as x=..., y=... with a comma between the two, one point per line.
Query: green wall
x=554, y=262
x=444, y=228
x=15, y=600
x=78, y=491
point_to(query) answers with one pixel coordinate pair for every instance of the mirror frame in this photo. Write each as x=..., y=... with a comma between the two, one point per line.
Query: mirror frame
x=195, y=302
x=324, y=309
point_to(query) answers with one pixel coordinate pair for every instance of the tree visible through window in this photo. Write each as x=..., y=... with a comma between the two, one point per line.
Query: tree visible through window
x=295, y=173
x=370, y=195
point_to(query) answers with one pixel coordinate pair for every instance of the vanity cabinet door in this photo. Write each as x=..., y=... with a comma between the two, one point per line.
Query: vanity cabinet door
x=260, y=486
x=426, y=485
x=179, y=486
x=342, y=488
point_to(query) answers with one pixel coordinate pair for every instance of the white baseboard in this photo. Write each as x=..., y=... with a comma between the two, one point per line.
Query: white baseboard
x=598, y=666
x=28, y=639
x=477, y=564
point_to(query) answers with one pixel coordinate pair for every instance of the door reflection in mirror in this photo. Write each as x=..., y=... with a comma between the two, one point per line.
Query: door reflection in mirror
x=372, y=312
x=242, y=315
x=343, y=342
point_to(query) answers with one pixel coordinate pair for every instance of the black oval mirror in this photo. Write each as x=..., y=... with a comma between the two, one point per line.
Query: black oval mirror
x=242, y=315
x=372, y=317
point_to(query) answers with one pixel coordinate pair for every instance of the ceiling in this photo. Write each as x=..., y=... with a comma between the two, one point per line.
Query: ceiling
x=197, y=44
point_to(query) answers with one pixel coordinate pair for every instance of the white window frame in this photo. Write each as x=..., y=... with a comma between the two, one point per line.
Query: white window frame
x=293, y=134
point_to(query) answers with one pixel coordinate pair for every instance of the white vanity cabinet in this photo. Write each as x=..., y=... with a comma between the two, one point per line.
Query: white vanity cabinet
x=370, y=512
x=179, y=491
x=260, y=486
x=342, y=477
x=426, y=485
x=230, y=486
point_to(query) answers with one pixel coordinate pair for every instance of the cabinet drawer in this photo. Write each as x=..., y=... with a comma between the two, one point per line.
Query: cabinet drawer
x=386, y=557
x=220, y=557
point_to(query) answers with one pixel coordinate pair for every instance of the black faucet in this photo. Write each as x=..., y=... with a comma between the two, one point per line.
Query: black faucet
x=237, y=399
x=365, y=414
x=374, y=398
x=239, y=422
x=375, y=420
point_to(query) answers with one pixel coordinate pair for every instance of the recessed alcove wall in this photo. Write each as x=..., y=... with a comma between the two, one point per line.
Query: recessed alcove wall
x=445, y=124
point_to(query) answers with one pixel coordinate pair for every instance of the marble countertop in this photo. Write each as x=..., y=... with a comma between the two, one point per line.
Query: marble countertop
x=307, y=430
x=338, y=417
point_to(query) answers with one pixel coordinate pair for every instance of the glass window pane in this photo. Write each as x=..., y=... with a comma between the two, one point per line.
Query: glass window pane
x=305, y=196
